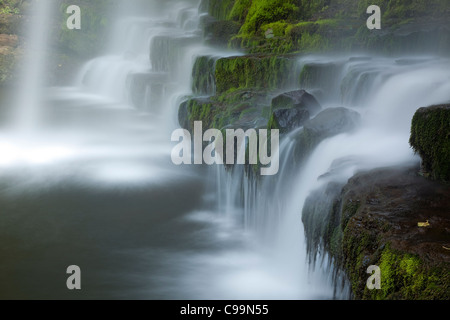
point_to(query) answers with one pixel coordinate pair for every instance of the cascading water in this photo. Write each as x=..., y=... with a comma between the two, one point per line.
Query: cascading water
x=95, y=187
x=394, y=91
x=33, y=78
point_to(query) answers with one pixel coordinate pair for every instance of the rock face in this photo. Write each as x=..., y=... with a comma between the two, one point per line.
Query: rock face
x=255, y=71
x=296, y=99
x=430, y=138
x=374, y=220
x=292, y=109
x=289, y=119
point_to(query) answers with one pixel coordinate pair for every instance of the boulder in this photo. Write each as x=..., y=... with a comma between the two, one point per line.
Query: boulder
x=430, y=138
x=296, y=99
x=196, y=109
x=375, y=219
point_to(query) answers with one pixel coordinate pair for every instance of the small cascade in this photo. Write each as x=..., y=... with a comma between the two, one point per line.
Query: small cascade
x=386, y=92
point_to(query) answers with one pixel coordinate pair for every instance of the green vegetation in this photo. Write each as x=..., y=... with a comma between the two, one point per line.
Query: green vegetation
x=268, y=72
x=364, y=223
x=230, y=108
x=323, y=25
x=11, y=6
x=430, y=138
x=406, y=276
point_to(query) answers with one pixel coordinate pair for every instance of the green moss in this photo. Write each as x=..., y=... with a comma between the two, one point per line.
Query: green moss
x=430, y=138
x=405, y=276
x=221, y=9
x=267, y=11
x=267, y=72
x=89, y=40
x=199, y=110
x=10, y=6
x=240, y=10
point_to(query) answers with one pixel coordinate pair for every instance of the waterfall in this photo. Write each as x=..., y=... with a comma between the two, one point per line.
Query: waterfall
x=93, y=183
x=386, y=92
x=29, y=95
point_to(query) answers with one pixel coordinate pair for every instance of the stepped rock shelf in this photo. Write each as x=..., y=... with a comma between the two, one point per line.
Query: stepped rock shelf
x=375, y=218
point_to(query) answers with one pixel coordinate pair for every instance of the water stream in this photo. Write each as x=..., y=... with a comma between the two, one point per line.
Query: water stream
x=92, y=182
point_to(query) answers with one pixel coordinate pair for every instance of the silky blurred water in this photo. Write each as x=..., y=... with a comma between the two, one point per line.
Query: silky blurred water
x=86, y=176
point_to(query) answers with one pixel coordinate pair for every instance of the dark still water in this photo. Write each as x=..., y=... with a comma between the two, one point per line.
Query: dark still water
x=95, y=187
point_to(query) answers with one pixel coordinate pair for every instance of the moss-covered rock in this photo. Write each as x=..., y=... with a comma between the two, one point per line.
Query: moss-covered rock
x=245, y=108
x=296, y=99
x=292, y=109
x=430, y=138
x=219, y=33
x=203, y=75
x=255, y=71
x=373, y=220
x=322, y=25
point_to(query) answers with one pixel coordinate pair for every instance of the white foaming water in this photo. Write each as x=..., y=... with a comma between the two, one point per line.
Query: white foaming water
x=108, y=145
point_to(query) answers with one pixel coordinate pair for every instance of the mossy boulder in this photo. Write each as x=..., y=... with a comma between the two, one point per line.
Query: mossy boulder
x=430, y=138
x=374, y=220
x=196, y=109
x=246, y=108
x=296, y=99
x=203, y=75
x=255, y=71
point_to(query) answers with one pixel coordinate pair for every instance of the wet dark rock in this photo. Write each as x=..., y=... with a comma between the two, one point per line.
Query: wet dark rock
x=288, y=119
x=297, y=99
x=219, y=33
